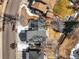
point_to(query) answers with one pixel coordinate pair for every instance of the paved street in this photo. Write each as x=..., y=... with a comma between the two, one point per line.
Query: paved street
x=12, y=7
x=9, y=36
x=0, y=38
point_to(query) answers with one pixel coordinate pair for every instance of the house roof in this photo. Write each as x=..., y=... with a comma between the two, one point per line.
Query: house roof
x=40, y=6
x=31, y=34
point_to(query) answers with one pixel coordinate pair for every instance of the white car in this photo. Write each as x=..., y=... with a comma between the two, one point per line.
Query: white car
x=75, y=52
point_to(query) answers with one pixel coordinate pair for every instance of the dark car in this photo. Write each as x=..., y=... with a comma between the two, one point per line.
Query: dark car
x=22, y=35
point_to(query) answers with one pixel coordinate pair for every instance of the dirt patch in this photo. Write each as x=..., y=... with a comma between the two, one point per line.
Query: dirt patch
x=25, y=17
x=68, y=44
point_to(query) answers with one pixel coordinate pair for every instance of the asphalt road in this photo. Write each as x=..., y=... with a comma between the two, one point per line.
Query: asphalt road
x=9, y=36
x=12, y=7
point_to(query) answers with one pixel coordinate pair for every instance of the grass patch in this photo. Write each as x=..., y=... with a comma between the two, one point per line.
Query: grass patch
x=61, y=8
